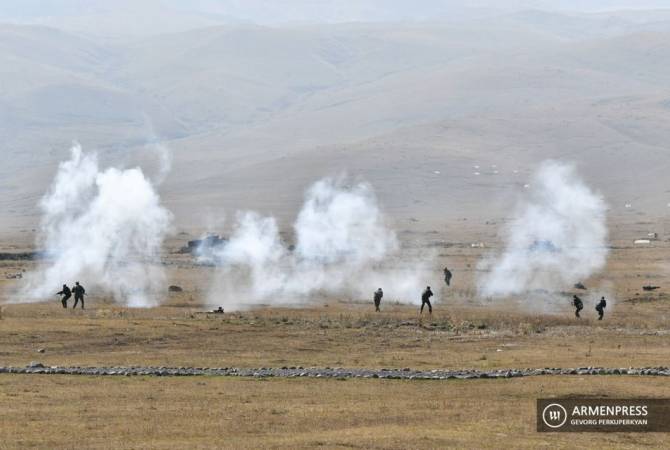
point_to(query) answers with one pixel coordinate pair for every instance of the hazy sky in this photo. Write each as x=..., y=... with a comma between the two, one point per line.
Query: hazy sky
x=279, y=11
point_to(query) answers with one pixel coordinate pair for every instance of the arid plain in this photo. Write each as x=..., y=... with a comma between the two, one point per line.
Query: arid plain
x=465, y=331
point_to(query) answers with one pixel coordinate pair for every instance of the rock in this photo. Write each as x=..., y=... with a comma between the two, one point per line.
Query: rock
x=36, y=367
x=40, y=350
x=175, y=289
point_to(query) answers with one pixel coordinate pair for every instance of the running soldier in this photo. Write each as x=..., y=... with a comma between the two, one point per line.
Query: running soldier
x=425, y=300
x=600, y=307
x=79, y=293
x=379, y=294
x=447, y=276
x=578, y=304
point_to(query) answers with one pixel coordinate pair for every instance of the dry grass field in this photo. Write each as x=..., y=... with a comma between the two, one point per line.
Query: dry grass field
x=341, y=335
x=204, y=412
x=464, y=332
x=176, y=413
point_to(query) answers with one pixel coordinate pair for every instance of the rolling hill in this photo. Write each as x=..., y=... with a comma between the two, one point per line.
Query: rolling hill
x=253, y=114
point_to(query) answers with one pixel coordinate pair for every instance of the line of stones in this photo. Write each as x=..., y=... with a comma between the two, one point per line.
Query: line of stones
x=312, y=372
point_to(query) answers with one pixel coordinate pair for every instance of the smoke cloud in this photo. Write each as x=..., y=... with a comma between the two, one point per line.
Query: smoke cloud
x=342, y=247
x=557, y=237
x=158, y=152
x=103, y=228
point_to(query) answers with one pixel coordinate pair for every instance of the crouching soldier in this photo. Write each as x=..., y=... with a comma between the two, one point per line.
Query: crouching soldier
x=600, y=307
x=379, y=294
x=66, y=293
x=578, y=304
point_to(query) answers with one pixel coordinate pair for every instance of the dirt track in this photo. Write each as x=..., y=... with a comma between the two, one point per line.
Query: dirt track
x=292, y=372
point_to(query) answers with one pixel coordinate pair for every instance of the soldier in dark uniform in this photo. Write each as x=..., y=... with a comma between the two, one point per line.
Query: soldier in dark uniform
x=447, y=276
x=425, y=300
x=600, y=307
x=79, y=293
x=378, y=298
x=578, y=304
x=66, y=293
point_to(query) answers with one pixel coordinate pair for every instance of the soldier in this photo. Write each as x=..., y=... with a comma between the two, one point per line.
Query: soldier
x=578, y=304
x=66, y=293
x=425, y=300
x=447, y=276
x=600, y=307
x=378, y=298
x=79, y=293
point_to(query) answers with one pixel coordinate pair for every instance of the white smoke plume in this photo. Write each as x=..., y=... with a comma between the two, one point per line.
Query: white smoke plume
x=342, y=247
x=164, y=157
x=557, y=237
x=158, y=151
x=103, y=228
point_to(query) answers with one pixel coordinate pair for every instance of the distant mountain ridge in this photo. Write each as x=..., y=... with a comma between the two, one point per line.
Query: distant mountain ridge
x=241, y=106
